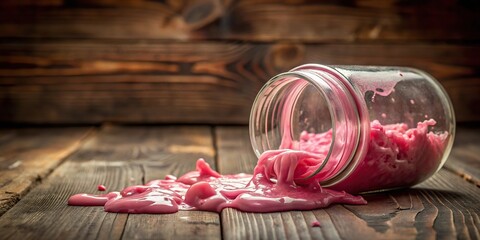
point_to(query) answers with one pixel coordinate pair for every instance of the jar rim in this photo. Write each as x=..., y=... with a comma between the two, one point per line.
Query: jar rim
x=316, y=75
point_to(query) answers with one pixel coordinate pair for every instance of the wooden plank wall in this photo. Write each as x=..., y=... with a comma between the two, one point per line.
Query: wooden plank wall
x=203, y=61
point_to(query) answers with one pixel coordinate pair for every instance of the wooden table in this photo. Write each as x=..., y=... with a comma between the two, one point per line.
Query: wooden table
x=41, y=167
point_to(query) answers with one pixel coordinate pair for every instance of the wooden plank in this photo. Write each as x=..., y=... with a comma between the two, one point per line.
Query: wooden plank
x=465, y=157
x=182, y=146
x=182, y=225
x=234, y=150
x=116, y=157
x=31, y=3
x=27, y=156
x=444, y=206
x=88, y=81
x=266, y=20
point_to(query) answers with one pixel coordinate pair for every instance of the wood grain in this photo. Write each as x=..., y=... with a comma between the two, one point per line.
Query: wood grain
x=85, y=81
x=234, y=150
x=465, y=157
x=203, y=61
x=27, y=156
x=116, y=157
x=265, y=20
x=445, y=206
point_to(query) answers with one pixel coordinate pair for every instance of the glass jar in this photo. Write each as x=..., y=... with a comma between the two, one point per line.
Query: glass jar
x=375, y=128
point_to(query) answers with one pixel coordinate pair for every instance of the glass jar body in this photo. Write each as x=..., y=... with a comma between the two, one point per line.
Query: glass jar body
x=375, y=128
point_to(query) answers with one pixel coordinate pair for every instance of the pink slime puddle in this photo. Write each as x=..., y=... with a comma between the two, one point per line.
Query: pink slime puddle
x=277, y=182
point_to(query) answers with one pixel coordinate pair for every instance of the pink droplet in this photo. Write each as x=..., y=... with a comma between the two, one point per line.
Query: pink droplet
x=315, y=224
x=384, y=115
x=101, y=187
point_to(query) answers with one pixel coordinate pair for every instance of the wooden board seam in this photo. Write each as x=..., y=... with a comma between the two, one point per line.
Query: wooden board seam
x=214, y=145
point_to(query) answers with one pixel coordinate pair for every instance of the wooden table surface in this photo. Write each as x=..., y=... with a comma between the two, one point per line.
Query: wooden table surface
x=41, y=167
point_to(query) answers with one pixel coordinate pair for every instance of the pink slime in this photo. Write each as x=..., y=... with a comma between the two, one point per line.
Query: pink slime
x=396, y=157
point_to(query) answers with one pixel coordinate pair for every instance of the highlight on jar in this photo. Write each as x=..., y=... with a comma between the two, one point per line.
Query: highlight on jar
x=321, y=133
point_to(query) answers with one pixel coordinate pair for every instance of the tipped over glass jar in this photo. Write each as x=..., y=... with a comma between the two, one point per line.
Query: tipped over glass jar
x=370, y=128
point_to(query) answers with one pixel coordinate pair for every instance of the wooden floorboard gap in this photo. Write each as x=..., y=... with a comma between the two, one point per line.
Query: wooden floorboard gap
x=213, y=133
x=125, y=224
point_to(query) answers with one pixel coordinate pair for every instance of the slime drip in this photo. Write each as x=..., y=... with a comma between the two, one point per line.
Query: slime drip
x=397, y=156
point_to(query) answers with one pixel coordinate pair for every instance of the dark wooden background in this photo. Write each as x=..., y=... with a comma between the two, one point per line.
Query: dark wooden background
x=179, y=61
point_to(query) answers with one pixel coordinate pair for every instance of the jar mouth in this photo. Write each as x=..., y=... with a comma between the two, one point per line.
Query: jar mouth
x=279, y=109
x=278, y=122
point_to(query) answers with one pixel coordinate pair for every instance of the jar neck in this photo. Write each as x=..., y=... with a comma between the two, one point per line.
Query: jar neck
x=312, y=99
